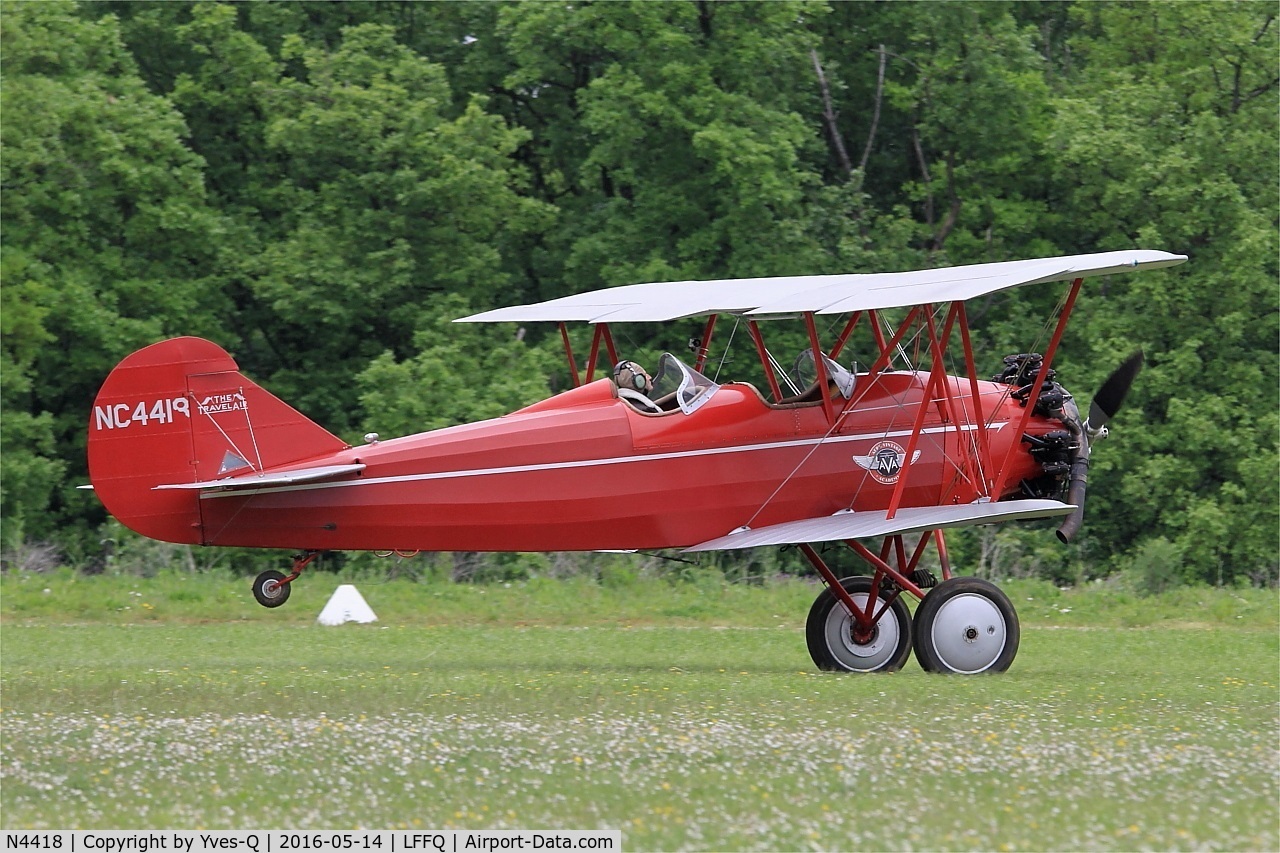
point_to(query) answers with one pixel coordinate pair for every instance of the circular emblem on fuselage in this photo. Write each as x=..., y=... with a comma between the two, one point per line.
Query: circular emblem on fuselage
x=884, y=461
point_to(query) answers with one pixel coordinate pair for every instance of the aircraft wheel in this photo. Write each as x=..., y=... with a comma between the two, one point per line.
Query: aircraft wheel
x=966, y=625
x=832, y=644
x=268, y=590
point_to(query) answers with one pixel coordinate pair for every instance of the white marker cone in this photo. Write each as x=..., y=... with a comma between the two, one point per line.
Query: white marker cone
x=346, y=605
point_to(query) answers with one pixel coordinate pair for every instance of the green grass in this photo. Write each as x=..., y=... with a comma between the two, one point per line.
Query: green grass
x=217, y=597
x=688, y=716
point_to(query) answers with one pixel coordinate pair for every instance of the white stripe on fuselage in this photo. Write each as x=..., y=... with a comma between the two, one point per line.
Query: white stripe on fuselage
x=585, y=463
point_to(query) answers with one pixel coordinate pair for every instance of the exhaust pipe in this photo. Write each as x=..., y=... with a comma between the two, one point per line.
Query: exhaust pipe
x=1078, y=477
x=1076, y=486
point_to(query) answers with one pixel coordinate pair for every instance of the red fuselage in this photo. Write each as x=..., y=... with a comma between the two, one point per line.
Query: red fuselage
x=585, y=471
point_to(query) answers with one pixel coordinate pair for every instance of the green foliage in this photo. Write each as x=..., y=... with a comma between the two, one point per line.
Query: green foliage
x=322, y=187
x=1154, y=142
x=459, y=374
x=378, y=201
x=107, y=241
x=1157, y=567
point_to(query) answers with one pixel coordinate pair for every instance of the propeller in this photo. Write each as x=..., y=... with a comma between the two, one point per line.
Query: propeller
x=1102, y=409
x=1111, y=395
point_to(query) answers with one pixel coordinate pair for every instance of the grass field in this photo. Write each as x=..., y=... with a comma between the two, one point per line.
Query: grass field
x=689, y=716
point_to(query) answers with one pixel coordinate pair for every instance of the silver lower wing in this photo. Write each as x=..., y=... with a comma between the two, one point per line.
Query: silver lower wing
x=847, y=524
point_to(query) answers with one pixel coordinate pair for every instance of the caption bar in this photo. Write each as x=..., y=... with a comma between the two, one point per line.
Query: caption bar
x=283, y=841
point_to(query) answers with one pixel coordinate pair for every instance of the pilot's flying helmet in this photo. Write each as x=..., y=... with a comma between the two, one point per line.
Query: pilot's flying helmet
x=630, y=375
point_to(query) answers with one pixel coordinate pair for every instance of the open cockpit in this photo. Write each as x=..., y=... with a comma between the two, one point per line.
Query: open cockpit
x=677, y=387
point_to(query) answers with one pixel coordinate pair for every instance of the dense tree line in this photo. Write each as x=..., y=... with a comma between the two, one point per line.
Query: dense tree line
x=321, y=187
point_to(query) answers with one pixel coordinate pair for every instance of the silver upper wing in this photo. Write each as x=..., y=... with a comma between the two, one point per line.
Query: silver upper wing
x=822, y=294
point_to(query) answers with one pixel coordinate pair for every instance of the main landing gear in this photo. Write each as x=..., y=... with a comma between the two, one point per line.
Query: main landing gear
x=967, y=626
x=271, y=588
x=861, y=624
x=839, y=641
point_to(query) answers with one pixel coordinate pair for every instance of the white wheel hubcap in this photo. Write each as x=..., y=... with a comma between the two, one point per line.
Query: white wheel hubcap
x=968, y=633
x=872, y=655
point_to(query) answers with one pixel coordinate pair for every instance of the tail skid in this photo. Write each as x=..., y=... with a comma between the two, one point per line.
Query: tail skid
x=176, y=416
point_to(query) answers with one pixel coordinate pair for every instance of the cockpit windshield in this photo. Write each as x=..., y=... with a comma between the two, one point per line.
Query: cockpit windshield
x=677, y=380
x=805, y=373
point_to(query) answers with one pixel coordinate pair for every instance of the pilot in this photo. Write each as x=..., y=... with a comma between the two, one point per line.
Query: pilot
x=632, y=377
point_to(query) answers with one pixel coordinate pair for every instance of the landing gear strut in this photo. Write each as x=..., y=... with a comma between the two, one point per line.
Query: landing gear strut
x=271, y=588
x=840, y=642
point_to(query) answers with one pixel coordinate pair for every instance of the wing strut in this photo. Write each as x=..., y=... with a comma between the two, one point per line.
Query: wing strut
x=703, y=349
x=935, y=385
x=765, y=360
x=881, y=362
x=821, y=367
x=982, y=450
x=601, y=333
x=568, y=351
x=1029, y=406
x=838, y=346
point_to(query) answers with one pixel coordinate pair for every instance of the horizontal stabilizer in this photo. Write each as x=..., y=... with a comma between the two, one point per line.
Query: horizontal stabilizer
x=277, y=478
x=860, y=525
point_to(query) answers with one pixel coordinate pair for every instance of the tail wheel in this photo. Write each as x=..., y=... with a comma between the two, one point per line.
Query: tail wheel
x=268, y=590
x=967, y=626
x=834, y=644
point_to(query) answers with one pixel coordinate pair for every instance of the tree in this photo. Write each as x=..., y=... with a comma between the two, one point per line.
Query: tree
x=382, y=201
x=1168, y=139
x=458, y=374
x=320, y=187
x=671, y=134
x=106, y=242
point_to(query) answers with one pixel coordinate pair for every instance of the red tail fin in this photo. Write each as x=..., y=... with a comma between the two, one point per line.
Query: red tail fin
x=180, y=412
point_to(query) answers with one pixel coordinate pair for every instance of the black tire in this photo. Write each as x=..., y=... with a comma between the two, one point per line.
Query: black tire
x=966, y=626
x=831, y=644
x=268, y=590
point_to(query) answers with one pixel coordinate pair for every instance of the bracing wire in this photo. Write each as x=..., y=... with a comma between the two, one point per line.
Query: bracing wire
x=727, y=346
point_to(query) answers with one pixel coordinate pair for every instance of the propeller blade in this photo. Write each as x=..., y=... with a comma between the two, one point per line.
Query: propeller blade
x=1113, y=391
x=1104, y=406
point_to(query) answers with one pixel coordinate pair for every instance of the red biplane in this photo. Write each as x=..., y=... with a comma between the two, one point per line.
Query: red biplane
x=183, y=448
